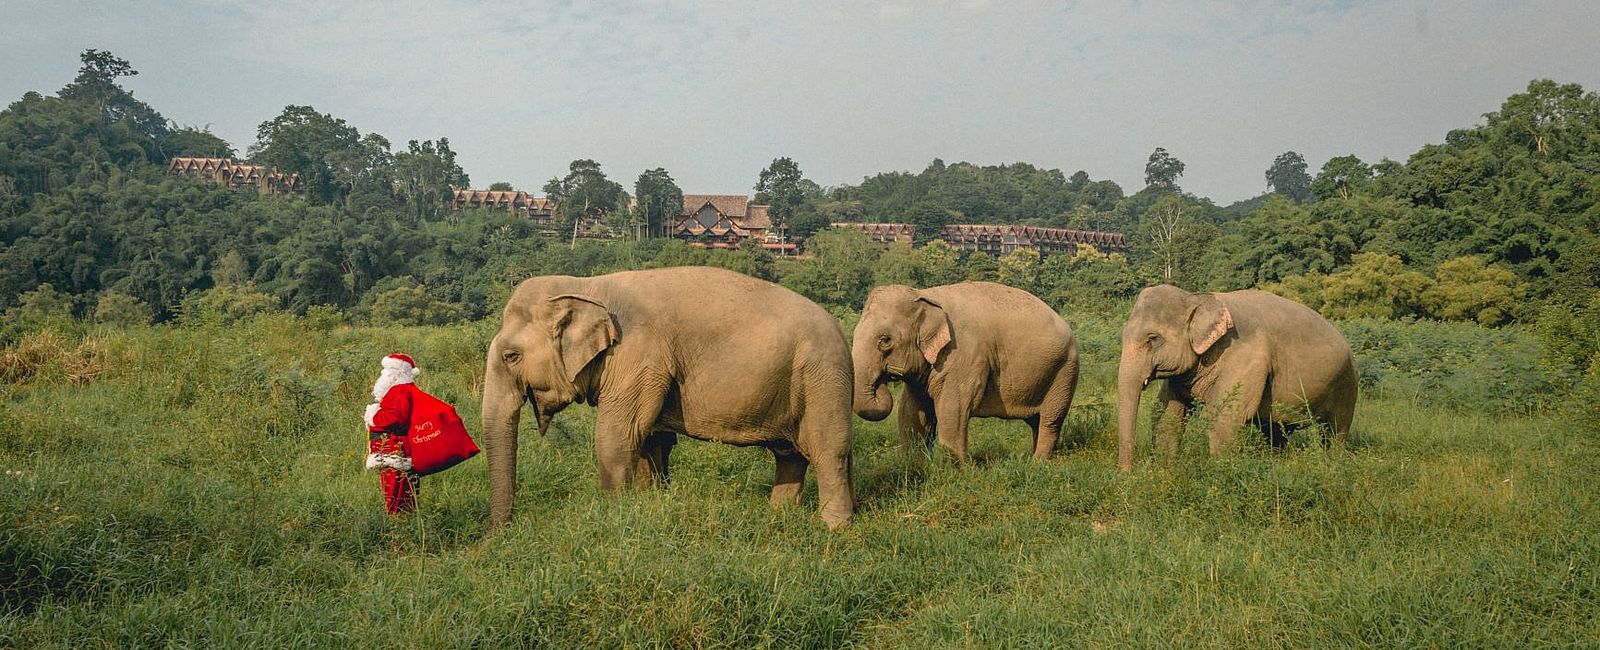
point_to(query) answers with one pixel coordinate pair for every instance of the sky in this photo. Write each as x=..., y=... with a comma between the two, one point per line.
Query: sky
x=714, y=90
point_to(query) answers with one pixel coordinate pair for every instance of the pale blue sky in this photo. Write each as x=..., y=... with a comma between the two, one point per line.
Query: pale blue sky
x=713, y=91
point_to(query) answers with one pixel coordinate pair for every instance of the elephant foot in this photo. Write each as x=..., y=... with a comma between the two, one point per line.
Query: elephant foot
x=837, y=521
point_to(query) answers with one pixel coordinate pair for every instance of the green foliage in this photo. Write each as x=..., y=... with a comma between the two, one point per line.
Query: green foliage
x=783, y=187
x=226, y=305
x=1460, y=366
x=121, y=310
x=1380, y=286
x=968, y=193
x=425, y=174
x=584, y=193
x=1340, y=177
x=1287, y=177
x=838, y=271
x=659, y=199
x=1162, y=170
x=1088, y=282
x=413, y=305
x=328, y=154
x=1375, y=286
x=1466, y=289
x=43, y=308
x=1019, y=268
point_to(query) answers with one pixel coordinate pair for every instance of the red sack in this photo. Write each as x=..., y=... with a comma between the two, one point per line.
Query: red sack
x=438, y=440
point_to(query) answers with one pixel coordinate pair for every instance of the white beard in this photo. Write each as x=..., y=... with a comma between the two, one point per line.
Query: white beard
x=389, y=378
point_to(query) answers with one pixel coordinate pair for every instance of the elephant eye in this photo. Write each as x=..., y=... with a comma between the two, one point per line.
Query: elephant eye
x=511, y=356
x=884, y=342
x=1153, y=338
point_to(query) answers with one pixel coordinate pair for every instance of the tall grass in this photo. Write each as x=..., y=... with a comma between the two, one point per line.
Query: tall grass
x=205, y=489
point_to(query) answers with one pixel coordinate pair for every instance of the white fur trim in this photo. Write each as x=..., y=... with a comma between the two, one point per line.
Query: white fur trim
x=372, y=409
x=391, y=377
x=390, y=363
x=396, y=461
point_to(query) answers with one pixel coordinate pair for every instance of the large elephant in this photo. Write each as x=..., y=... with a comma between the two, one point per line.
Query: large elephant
x=963, y=350
x=1247, y=355
x=705, y=352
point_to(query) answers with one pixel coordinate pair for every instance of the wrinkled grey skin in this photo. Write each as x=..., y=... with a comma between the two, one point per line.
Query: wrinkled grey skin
x=1249, y=355
x=704, y=352
x=974, y=349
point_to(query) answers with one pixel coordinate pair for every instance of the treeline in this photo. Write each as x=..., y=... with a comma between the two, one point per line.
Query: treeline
x=1495, y=225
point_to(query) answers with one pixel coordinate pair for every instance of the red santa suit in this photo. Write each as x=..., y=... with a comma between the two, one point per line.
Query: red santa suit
x=388, y=423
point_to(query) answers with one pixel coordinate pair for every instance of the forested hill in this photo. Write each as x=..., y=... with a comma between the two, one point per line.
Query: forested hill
x=1498, y=219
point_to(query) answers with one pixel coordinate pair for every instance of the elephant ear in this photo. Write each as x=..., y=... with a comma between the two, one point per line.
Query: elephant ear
x=583, y=329
x=934, y=331
x=1208, y=322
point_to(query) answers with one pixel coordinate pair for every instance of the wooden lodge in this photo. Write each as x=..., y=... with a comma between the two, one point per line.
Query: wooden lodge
x=538, y=209
x=998, y=239
x=235, y=174
x=722, y=221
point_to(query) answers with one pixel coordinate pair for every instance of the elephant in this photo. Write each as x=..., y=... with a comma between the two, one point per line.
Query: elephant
x=963, y=350
x=1247, y=355
x=704, y=352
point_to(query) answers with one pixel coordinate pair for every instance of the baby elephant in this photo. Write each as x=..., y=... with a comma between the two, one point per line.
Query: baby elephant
x=1242, y=353
x=963, y=350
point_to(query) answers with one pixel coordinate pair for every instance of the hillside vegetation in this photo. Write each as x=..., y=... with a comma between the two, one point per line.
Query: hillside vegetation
x=202, y=486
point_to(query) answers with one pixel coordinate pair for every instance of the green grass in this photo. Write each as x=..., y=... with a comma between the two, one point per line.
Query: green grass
x=207, y=491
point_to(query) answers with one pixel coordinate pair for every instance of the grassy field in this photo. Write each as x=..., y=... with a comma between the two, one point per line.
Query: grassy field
x=204, y=488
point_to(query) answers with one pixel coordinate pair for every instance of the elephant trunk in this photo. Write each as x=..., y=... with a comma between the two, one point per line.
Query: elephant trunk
x=872, y=399
x=1131, y=380
x=502, y=413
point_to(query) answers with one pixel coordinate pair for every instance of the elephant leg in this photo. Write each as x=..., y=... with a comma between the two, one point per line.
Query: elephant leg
x=622, y=428
x=650, y=471
x=1234, y=401
x=790, y=477
x=825, y=441
x=1170, y=423
x=1053, y=411
x=917, y=423
x=952, y=415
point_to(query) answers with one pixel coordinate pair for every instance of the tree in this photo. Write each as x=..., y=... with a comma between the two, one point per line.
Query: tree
x=1375, y=286
x=301, y=140
x=1167, y=220
x=1540, y=117
x=1287, y=176
x=1162, y=170
x=96, y=84
x=839, y=270
x=426, y=174
x=1019, y=268
x=584, y=193
x=121, y=310
x=782, y=186
x=659, y=200
x=1466, y=288
x=1340, y=176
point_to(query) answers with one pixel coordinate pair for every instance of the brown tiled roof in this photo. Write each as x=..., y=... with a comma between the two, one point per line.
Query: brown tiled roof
x=730, y=205
x=757, y=218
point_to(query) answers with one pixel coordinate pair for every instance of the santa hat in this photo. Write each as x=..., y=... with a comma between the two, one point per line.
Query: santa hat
x=399, y=361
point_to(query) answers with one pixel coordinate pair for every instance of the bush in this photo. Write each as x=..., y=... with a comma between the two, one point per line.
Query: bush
x=1456, y=365
x=121, y=310
x=413, y=306
x=226, y=305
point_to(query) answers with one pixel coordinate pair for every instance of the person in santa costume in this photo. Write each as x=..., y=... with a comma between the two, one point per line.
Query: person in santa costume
x=388, y=424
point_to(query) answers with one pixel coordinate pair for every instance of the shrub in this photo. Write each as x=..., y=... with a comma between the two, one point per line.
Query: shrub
x=121, y=310
x=1456, y=365
x=1466, y=288
x=226, y=305
x=413, y=306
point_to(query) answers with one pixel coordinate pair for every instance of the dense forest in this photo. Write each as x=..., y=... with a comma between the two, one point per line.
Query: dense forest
x=1497, y=224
